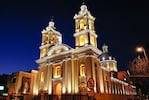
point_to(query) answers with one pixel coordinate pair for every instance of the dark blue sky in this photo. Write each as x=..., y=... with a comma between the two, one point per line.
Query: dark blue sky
x=121, y=24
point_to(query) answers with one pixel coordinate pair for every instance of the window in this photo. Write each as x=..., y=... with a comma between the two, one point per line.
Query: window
x=46, y=39
x=93, y=40
x=53, y=39
x=57, y=72
x=82, y=70
x=90, y=24
x=14, y=80
x=82, y=40
x=82, y=24
x=43, y=52
x=42, y=77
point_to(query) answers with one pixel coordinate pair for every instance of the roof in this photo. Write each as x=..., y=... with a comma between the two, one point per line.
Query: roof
x=58, y=48
x=106, y=56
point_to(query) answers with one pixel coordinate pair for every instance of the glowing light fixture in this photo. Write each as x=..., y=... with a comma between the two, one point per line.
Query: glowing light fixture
x=141, y=49
x=103, y=58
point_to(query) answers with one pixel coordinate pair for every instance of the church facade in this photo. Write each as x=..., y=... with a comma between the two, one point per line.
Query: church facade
x=65, y=72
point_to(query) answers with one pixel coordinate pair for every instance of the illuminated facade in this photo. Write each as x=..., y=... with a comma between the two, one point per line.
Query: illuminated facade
x=83, y=70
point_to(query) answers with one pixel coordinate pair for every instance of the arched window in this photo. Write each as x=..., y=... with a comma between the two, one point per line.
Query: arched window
x=42, y=77
x=46, y=39
x=53, y=39
x=82, y=70
x=93, y=40
x=82, y=40
x=82, y=24
x=43, y=52
x=91, y=24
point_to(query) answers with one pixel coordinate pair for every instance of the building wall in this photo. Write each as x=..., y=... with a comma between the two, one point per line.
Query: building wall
x=72, y=82
x=25, y=83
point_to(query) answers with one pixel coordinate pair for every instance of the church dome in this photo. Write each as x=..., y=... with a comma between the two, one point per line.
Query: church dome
x=105, y=54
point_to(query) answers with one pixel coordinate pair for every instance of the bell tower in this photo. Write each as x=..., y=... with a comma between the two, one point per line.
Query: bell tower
x=84, y=28
x=50, y=37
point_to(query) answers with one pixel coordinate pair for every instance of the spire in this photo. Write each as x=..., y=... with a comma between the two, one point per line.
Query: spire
x=105, y=48
x=51, y=23
x=83, y=11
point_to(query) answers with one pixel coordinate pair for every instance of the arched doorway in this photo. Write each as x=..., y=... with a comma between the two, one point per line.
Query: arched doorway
x=58, y=90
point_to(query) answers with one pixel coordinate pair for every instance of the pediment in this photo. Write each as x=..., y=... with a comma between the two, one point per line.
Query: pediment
x=58, y=49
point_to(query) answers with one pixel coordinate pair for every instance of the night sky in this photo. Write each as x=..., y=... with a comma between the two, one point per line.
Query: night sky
x=121, y=24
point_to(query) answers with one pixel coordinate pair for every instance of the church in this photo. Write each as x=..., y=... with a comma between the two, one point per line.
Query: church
x=65, y=73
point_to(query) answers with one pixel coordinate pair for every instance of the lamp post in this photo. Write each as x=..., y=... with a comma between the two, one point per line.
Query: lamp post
x=141, y=49
x=146, y=65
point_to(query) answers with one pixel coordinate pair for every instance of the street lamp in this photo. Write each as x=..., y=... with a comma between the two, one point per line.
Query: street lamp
x=141, y=49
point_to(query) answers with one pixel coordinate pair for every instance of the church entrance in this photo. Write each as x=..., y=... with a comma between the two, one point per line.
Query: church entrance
x=58, y=90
